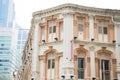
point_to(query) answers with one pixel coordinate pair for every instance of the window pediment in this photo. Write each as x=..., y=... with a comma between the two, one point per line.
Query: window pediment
x=81, y=54
x=104, y=56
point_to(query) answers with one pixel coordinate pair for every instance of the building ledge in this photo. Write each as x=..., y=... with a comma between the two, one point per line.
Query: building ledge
x=54, y=42
x=95, y=43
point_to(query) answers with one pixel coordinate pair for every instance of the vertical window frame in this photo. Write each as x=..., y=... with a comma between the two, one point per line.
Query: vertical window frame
x=54, y=29
x=50, y=30
x=81, y=68
x=80, y=24
x=105, y=71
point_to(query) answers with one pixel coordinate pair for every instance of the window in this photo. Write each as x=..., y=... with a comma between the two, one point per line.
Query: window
x=80, y=27
x=102, y=27
x=105, y=30
x=2, y=44
x=50, y=29
x=100, y=30
x=51, y=63
x=80, y=68
x=1, y=64
x=80, y=24
x=105, y=68
x=4, y=60
x=54, y=29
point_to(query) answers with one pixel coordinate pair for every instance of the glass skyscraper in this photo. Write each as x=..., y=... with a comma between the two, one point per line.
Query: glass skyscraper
x=9, y=60
x=9, y=57
x=7, y=13
x=22, y=37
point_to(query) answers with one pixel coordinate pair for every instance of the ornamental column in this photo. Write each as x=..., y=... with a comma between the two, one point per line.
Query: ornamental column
x=117, y=52
x=35, y=50
x=92, y=58
x=67, y=37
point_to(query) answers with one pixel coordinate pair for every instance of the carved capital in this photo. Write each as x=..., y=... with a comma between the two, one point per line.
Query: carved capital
x=37, y=20
x=91, y=16
x=91, y=47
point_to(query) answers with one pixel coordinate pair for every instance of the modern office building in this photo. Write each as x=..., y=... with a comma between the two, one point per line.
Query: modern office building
x=9, y=59
x=22, y=37
x=73, y=42
x=7, y=13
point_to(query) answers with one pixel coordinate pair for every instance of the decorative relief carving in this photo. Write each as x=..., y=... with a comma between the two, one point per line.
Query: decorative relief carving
x=103, y=48
x=81, y=46
x=51, y=55
x=104, y=56
x=91, y=47
x=81, y=54
x=50, y=47
x=36, y=20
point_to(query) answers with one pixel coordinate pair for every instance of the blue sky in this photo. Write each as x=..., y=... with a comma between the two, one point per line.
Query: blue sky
x=25, y=8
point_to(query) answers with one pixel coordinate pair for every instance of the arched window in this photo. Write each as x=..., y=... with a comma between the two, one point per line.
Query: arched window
x=51, y=64
x=105, y=67
x=81, y=63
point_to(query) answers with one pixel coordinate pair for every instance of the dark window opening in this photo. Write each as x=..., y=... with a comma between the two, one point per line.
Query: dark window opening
x=105, y=30
x=49, y=61
x=50, y=29
x=53, y=63
x=54, y=29
x=105, y=67
x=2, y=44
x=80, y=68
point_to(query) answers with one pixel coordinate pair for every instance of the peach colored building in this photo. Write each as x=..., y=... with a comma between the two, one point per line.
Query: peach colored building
x=72, y=42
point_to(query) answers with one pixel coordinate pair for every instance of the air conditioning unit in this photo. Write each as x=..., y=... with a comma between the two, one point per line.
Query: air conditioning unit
x=92, y=39
x=75, y=37
x=56, y=38
x=43, y=41
x=32, y=78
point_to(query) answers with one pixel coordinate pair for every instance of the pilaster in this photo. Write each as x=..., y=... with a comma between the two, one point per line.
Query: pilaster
x=92, y=57
x=117, y=50
x=91, y=27
x=67, y=37
x=35, y=50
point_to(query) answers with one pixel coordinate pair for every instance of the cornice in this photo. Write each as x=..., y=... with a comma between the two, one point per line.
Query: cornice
x=77, y=8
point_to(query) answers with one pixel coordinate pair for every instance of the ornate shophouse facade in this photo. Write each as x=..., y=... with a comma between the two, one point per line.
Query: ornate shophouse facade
x=72, y=42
